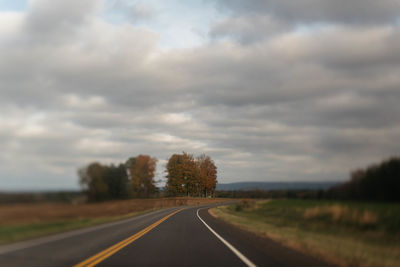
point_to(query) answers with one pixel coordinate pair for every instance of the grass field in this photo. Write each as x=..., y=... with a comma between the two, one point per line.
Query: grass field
x=344, y=233
x=25, y=221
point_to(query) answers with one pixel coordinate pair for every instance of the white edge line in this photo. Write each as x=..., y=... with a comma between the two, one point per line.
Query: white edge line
x=226, y=243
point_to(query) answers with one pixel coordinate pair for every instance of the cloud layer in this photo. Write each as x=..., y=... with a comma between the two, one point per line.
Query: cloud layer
x=306, y=11
x=266, y=99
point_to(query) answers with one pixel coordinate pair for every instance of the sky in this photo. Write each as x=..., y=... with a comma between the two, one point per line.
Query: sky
x=303, y=90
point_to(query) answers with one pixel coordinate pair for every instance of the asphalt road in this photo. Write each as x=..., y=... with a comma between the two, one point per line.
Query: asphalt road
x=161, y=238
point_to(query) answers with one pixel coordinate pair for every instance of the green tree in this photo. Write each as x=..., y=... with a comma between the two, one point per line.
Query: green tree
x=102, y=182
x=92, y=179
x=378, y=182
x=117, y=181
x=175, y=181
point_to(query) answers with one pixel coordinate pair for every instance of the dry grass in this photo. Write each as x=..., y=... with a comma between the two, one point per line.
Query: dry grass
x=339, y=213
x=39, y=213
x=249, y=204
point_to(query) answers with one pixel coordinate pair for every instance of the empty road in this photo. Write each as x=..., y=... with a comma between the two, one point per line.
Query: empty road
x=170, y=237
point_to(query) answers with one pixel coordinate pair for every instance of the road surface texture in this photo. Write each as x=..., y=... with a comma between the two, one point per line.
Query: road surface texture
x=169, y=237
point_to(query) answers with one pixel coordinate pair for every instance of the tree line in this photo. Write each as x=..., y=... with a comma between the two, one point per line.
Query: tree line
x=377, y=182
x=186, y=176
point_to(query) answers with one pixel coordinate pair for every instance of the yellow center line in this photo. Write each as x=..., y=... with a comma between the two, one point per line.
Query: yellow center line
x=99, y=257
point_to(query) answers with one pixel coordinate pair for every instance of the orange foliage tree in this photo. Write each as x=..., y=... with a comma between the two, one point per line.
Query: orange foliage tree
x=188, y=176
x=141, y=170
x=207, y=172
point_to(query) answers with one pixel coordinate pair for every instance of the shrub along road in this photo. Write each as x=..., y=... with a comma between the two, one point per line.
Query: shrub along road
x=170, y=237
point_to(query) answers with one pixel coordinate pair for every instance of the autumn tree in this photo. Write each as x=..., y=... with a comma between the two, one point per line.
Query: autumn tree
x=182, y=175
x=175, y=182
x=141, y=171
x=207, y=175
x=188, y=176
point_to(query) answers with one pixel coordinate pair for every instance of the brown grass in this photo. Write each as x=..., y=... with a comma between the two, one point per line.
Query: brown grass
x=38, y=213
x=339, y=213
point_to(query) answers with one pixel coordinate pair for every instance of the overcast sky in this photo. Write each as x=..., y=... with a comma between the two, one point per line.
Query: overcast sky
x=303, y=90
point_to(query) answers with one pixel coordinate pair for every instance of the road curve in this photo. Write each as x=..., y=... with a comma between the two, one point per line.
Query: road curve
x=170, y=237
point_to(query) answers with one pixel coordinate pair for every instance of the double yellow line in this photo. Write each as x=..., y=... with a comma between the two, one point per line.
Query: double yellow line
x=99, y=257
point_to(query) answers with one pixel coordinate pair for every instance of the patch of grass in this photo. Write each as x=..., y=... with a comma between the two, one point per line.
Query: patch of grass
x=345, y=233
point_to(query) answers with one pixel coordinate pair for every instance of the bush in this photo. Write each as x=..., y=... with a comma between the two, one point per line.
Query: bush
x=245, y=205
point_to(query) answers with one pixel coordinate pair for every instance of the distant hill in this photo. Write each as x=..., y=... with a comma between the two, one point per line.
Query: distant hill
x=276, y=186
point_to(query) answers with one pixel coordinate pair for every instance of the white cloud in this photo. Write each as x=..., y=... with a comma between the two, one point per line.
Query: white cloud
x=176, y=118
x=92, y=102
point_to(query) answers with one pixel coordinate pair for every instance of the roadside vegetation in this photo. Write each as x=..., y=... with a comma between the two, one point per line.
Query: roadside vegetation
x=25, y=221
x=353, y=224
x=344, y=233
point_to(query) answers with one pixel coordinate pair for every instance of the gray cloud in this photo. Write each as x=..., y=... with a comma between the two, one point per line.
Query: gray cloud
x=291, y=105
x=306, y=11
x=54, y=22
x=255, y=20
